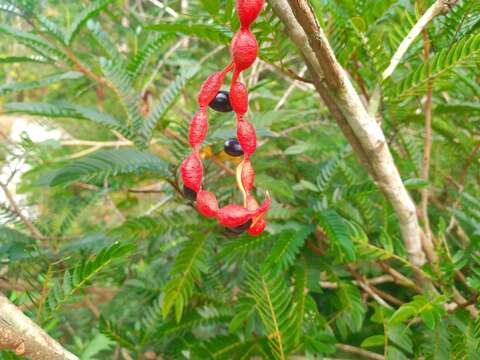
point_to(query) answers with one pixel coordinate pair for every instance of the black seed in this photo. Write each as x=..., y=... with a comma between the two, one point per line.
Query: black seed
x=239, y=229
x=189, y=193
x=221, y=102
x=232, y=147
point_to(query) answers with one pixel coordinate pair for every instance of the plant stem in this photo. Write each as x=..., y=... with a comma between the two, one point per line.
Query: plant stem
x=16, y=209
x=427, y=149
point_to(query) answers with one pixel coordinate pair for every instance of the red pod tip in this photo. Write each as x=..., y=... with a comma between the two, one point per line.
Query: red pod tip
x=252, y=204
x=234, y=215
x=265, y=205
x=244, y=50
x=198, y=129
x=246, y=137
x=248, y=176
x=239, y=98
x=248, y=11
x=192, y=172
x=210, y=88
x=207, y=204
x=257, y=227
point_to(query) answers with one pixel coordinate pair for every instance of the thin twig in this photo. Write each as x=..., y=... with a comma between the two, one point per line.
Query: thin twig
x=368, y=288
x=162, y=61
x=382, y=279
x=289, y=90
x=164, y=7
x=289, y=73
x=399, y=277
x=359, y=351
x=16, y=209
x=439, y=7
x=86, y=71
x=427, y=149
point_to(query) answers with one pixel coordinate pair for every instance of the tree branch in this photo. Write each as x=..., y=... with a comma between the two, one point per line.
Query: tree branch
x=299, y=38
x=25, y=338
x=33, y=229
x=439, y=7
x=365, y=135
x=359, y=351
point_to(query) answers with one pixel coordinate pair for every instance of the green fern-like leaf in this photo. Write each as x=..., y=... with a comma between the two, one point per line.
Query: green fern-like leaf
x=77, y=277
x=189, y=264
x=229, y=347
x=150, y=48
x=329, y=170
x=212, y=32
x=110, y=329
x=66, y=110
x=239, y=248
x=103, y=39
x=81, y=19
x=105, y=163
x=118, y=76
x=299, y=296
x=8, y=215
x=431, y=312
x=465, y=344
x=438, y=345
x=467, y=49
x=337, y=232
x=167, y=100
x=212, y=316
x=103, y=119
x=15, y=245
x=70, y=75
x=22, y=59
x=274, y=306
x=9, y=236
x=40, y=109
x=10, y=8
x=35, y=43
x=287, y=246
x=52, y=28
x=149, y=227
x=351, y=311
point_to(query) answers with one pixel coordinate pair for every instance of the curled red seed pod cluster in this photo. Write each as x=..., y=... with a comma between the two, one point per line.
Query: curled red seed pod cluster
x=244, y=51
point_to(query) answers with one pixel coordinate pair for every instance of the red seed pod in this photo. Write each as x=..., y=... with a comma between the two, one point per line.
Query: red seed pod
x=248, y=11
x=257, y=227
x=210, y=88
x=239, y=98
x=248, y=176
x=192, y=172
x=265, y=205
x=252, y=204
x=246, y=137
x=198, y=129
x=207, y=204
x=244, y=50
x=233, y=215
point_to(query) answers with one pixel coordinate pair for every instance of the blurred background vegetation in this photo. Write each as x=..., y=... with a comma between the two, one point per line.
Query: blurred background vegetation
x=118, y=264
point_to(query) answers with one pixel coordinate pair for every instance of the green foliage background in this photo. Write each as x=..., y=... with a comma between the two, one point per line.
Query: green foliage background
x=127, y=266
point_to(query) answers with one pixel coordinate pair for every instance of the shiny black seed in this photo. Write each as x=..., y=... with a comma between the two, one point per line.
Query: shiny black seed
x=221, y=102
x=239, y=229
x=232, y=147
x=189, y=193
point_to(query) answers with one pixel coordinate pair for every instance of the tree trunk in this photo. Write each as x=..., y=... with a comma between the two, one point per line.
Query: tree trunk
x=25, y=338
x=363, y=132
